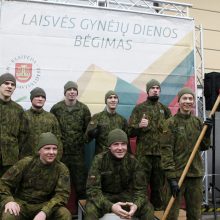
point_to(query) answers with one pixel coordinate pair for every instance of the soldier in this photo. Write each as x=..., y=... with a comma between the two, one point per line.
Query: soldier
x=103, y=122
x=180, y=134
x=73, y=117
x=116, y=183
x=146, y=124
x=36, y=121
x=10, y=118
x=36, y=187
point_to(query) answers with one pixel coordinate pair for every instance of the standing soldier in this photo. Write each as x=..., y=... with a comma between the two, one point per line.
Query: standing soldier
x=73, y=117
x=36, y=121
x=146, y=124
x=103, y=122
x=116, y=183
x=36, y=187
x=180, y=134
x=10, y=119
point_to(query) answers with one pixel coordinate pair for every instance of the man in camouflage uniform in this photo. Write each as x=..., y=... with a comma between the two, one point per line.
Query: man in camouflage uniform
x=36, y=121
x=36, y=187
x=73, y=117
x=10, y=118
x=116, y=183
x=146, y=124
x=103, y=122
x=180, y=134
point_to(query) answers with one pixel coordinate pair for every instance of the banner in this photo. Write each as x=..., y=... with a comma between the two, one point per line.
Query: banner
x=46, y=45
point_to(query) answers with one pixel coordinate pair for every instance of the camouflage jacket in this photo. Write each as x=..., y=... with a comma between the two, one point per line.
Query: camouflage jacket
x=107, y=123
x=180, y=134
x=73, y=124
x=34, y=182
x=33, y=124
x=148, y=139
x=110, y=179
x=10, y=120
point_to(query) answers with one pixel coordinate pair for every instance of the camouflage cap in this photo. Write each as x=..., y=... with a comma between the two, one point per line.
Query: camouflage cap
x=151, y=83
x=69, y=85
x=7, y=77
x=37, y=92
x=185, y=90
x=47, y=138
x=117, y=135
x=109, y=93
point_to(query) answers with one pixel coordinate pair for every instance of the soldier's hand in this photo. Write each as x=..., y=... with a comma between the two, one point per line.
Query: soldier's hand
x=209, y=123
x=174, y=187
x=118, y=210
x=132, y=207
x=13, y=208
x=40, y=216
x=144, y=122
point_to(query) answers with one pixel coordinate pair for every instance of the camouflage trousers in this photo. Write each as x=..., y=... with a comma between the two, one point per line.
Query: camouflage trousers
x=29, y=211
x=3, y=169
x=78, y=173
x=94, y=211
x=191, y=190
x=151, y=165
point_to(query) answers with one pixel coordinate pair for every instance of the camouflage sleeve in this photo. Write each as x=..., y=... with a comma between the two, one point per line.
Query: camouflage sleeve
x=62, y=192
x=133, y=126
x=87, y=118
x=56, y=130
x=205, y=144
x=24, y=132
x=91, y=127
x=94, y=190
x=140, y=186
x=168, y=113
x=11, y=179
x=167, y=149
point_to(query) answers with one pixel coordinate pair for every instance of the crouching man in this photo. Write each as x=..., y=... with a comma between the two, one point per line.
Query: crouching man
x=116, y=183
x=36, y=187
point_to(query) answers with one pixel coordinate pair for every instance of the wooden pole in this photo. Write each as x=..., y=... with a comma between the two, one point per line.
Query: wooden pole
x=185, y=171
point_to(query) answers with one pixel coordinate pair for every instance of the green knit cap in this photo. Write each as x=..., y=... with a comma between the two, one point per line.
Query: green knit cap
x=117, y=135
x=7, y=77
x=46, y=139
x=37, y=92
x=151, y=83
x=185, y=90
x=109, y=93
x=70, y=85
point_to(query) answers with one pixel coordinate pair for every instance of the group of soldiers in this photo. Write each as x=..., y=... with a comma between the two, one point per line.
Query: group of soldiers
x=42, y=152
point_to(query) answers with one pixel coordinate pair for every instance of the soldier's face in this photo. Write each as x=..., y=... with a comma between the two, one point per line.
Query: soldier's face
x=118, y=149
x=186, y=103
x=48, y=153
x=6, y=89
x=38, y=102
x=154, y=91
x=112, y=102
x=71, y=94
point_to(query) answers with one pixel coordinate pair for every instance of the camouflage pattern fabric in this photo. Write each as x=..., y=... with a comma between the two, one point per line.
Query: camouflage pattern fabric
x=10, y=119
x=148, y=139
x=191, y=189
x=148, y=145
x=178, y=140
x=111, y=180
x=180, y=134
x=73, y=122
x=30, y=210
x=106, y=122
x=33, y=183
x=35, y=122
